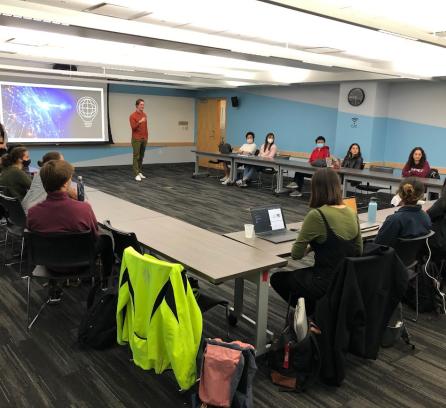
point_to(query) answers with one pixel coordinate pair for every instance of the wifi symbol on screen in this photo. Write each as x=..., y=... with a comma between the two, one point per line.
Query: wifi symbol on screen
x=354, y=122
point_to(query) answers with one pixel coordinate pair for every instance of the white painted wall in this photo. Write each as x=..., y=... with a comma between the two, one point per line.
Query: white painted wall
x=163, y=114
x=419, y=102
x=368, y=107
x=323, y=95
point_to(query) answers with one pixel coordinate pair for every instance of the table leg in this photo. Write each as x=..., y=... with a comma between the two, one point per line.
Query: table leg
x=238, y=297
x=279, y=187
x=233, y=171
x=262, y=280
x=196, y=165
x=344, y=186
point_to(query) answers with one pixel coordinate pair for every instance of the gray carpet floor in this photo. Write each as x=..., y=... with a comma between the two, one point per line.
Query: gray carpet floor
x=46, y=368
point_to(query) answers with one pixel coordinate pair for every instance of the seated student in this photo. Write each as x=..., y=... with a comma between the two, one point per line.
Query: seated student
x=3, y=148
x=331, y=230
x=248, y=148
x=36, y=194
x=317, y=159
x=268, y=150
x=437, y=214
x=410, y=220
x=16, y=181
x=353, y=158
x=417, y=164
x=59, y=213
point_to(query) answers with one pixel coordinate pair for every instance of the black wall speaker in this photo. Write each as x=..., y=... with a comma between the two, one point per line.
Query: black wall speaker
x=234, y=101
x=65, y=67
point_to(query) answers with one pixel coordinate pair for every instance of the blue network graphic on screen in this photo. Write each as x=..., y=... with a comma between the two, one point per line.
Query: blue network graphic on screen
x=36, y=112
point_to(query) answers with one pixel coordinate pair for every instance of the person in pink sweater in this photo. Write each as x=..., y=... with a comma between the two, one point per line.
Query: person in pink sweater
x=268, y=150
x=417, y=165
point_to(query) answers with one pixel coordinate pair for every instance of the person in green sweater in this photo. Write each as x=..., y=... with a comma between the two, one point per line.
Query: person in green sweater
x=331, y=230
x=14, y=180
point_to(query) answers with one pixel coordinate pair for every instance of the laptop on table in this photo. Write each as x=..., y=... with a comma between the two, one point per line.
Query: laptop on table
x=269, y=224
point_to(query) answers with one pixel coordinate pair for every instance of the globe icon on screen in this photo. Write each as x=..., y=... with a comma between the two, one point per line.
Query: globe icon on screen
x=87, y=109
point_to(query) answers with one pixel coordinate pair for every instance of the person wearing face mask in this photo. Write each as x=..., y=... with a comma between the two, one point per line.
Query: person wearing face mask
x=417, y=165
x=268, y=150
x=249, y=148
x=13, y=177
x=317, y=159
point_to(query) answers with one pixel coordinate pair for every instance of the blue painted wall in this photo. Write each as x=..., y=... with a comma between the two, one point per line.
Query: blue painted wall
x=295, y=124
x=402, y=136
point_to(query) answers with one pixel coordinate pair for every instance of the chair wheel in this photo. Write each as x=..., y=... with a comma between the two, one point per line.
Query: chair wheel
x=232, y=319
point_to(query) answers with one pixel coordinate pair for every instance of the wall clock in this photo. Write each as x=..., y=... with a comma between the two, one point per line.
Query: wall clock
x=356, y=96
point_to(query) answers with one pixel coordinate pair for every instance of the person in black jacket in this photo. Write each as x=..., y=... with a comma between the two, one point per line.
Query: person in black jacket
x=437, y=214
x=353, y=158
x=410, y=221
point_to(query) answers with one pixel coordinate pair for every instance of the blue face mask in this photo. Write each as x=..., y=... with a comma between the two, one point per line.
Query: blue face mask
x=319, y=145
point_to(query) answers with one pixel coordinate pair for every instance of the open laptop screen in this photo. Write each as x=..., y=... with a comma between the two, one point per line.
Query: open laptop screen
x=267, y=219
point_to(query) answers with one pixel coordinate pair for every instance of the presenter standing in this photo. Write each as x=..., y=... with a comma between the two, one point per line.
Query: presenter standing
x=140, y=133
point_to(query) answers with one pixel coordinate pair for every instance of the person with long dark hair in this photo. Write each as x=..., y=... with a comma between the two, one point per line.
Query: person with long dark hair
x=13, y=178
x=353, y=158
x=331, y=230
x=417, y=164
x=268, y=150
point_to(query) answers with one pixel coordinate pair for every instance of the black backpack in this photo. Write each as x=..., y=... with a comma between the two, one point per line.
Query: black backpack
x=98, y=327
x=225, y=148
x=294, y=365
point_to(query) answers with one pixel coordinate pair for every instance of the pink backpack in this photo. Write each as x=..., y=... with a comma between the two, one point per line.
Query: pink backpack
x=223, y=367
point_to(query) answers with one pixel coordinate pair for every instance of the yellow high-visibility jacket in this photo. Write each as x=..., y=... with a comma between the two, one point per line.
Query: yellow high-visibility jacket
x=158, y=316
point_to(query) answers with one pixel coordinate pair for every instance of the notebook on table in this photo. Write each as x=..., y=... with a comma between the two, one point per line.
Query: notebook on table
x=269, y=224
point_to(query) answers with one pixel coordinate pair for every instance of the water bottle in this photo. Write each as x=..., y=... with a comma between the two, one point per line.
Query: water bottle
x=373, y=207
x=80, y=189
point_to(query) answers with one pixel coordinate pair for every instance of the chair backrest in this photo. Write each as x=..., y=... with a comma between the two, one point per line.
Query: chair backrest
x=381, y=169
x=122, y=240
x=61, y=250
x=14, y=210
x=408, y=249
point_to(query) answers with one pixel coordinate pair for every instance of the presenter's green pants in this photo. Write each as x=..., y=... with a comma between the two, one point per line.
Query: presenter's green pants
x=139, y=147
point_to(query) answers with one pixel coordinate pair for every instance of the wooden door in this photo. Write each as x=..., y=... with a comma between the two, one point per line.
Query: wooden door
x=209, y=130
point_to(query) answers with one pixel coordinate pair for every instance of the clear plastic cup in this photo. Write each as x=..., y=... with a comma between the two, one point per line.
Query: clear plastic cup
x=249, y=230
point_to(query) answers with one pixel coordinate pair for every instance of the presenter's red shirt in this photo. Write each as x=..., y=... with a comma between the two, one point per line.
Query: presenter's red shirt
x=139, y=130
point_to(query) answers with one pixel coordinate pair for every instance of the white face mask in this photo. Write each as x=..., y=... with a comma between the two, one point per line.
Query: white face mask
x=270, y=140
x=249, y=141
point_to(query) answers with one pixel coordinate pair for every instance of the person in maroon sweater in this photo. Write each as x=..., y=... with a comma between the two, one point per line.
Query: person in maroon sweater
x=417, y=165
x=140, y=134
x=317, y=159
x=60, y=213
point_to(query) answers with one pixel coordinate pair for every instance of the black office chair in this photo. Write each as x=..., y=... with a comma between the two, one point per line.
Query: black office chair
x=15, y=225
x=368, y=188
x=408, y=250
x=122, y=240
x=58, y=256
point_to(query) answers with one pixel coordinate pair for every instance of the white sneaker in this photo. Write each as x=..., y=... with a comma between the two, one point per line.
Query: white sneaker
x=138, y=178
x=224, y=178
x=239, y=182
x=291, y=185
x=142, y=176
x=296, y=193
x=226, y=182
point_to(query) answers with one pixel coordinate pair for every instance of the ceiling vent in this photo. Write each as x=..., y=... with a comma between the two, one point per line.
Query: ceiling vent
x=112, y=10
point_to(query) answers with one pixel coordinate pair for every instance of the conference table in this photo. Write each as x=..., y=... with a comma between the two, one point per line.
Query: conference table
x=210, y=256
x=302, y=166
x=283, y=249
